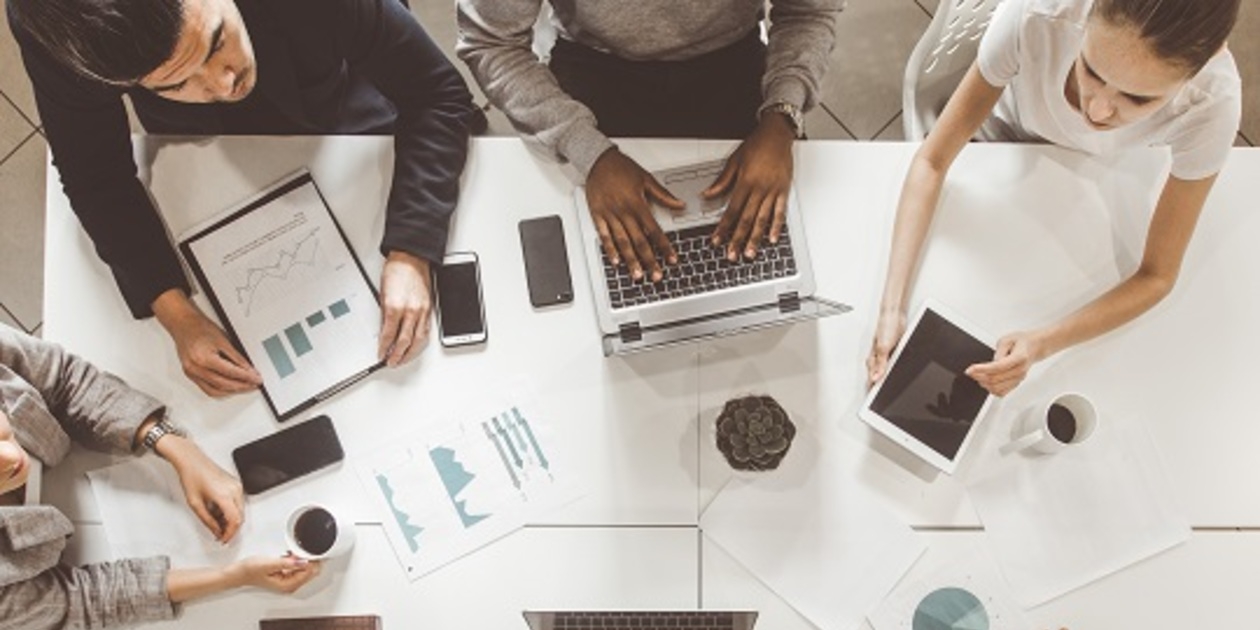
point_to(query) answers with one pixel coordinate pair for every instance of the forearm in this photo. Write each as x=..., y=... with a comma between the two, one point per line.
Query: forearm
x=117, y=594
x=1122, y=304
x=802, y=35
x=96, y=407
x=1168, y=237
x=431, y=149
x=173, y=309
x=919, y=195
x=184, y=585
x=93, y=155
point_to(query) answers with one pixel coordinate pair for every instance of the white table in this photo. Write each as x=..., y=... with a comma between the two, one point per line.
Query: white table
x=1025, y=234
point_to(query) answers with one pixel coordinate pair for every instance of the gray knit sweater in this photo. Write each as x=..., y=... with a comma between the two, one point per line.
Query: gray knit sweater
x=495, y=39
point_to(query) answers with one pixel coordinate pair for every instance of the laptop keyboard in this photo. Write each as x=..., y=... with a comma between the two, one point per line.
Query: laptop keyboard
x=678, y=620
x=342, y=622
x=701, y=268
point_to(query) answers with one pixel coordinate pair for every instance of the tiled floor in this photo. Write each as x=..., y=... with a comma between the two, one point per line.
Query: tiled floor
x=861, y=100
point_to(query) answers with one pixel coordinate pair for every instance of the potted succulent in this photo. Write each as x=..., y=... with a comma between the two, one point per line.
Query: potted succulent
x=754, y=433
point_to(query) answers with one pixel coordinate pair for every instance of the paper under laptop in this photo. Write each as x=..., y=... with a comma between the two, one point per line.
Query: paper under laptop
x=775, y=289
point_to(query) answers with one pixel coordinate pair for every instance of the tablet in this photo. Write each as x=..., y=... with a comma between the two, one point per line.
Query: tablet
x=926, y=403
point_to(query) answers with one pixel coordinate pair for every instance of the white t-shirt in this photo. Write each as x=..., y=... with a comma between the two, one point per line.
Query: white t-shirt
x=1029, y=49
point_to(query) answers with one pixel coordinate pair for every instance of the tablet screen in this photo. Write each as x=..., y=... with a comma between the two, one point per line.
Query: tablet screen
x=926, y=394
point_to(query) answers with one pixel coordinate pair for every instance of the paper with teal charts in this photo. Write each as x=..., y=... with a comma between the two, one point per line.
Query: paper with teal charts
x=286, y=283
x=960, y=591
x=464, y=484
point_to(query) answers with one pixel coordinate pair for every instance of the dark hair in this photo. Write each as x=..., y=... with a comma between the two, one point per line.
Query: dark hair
x=1186, y=32
x=115, y=41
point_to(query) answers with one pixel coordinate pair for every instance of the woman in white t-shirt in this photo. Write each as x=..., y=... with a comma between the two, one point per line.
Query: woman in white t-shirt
x=1098, y=76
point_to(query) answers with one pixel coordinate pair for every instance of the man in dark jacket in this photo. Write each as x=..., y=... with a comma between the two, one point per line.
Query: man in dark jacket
x=280, y=67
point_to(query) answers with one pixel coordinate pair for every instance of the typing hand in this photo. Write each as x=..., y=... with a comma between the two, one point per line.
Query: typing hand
x=406, y=306
x=208, y=359
x=891, y=326
x=1016, y=353
x=620, y=195
x=758, y=177
x=212, y=494
x=284, y=574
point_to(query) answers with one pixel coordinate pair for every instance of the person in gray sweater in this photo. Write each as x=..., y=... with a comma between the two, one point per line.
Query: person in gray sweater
x=50, y=398
x=658, y=68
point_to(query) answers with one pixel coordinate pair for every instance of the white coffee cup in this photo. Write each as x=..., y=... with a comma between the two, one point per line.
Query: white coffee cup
x=316, y=532
x=1044, y=427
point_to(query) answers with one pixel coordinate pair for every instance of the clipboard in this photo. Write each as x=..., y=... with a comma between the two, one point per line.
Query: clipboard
x=290, y=292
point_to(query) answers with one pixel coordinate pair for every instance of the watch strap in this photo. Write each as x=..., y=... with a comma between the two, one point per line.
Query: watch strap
x=160, y=429
x=789, y=111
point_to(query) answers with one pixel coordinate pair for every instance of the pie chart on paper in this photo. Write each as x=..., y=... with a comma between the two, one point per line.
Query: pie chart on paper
x=950, y=608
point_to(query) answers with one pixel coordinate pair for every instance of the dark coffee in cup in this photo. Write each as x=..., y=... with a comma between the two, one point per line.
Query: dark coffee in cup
x=315, y=531
x=1062, y=423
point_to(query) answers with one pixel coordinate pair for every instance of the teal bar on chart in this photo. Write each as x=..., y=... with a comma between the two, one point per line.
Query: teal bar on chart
x=279, y=357
x=297, y=339
x=315, y=319
x=339, y=308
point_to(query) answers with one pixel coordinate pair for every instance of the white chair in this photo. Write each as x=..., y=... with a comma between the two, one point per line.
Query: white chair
x=940, y=60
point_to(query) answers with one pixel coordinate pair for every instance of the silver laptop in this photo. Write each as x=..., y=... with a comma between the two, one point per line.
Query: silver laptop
x=641, y=619
x=704, y=295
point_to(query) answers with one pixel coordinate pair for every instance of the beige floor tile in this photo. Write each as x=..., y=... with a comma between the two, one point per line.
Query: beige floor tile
x=893, y=132
x=820, y=125
x=22, y=239
x=873, y=40
x=929, y=5
x=1240, y=141
x=13, y=81
x=438, y=19
x=1245, y=45
x=13, y=128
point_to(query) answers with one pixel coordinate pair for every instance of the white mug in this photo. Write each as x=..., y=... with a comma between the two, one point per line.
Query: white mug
x=1036, y=434
x=316, y=532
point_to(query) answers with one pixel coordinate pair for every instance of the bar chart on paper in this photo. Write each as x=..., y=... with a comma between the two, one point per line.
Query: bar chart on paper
x=284, y=357
x=290, y=288
x=462, y=486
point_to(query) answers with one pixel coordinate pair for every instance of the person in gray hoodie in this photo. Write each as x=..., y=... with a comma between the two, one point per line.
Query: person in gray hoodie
x=658, y=68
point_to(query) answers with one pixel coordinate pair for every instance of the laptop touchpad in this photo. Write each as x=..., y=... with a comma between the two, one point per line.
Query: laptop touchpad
x=687, y=183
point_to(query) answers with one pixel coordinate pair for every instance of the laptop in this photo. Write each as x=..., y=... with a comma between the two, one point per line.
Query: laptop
x=641, y=619
x=704, y=296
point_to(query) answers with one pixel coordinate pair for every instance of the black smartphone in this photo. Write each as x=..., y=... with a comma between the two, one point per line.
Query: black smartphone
x=546, y=261
x=461, y=314
x=286, y=455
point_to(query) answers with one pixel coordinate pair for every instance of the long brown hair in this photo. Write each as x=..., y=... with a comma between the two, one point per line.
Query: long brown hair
x=1186, y=32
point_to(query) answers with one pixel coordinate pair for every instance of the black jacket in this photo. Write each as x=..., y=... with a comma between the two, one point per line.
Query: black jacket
x=324, y=67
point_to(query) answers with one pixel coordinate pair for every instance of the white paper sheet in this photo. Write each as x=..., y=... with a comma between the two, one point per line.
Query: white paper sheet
x=1056, y=523
x=973, y=575
x=465, y=482
x=145, y=514
x=814, y=533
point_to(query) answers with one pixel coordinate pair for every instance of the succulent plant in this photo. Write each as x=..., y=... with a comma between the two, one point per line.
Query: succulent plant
x=754, y=433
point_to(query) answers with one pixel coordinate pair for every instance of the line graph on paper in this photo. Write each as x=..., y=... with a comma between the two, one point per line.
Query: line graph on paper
x=303, y=252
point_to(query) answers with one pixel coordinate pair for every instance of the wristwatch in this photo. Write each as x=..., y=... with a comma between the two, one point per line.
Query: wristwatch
x=159, y=430
x=793, y=114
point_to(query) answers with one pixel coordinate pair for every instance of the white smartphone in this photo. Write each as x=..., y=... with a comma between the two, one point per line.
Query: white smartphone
x=461, y=313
